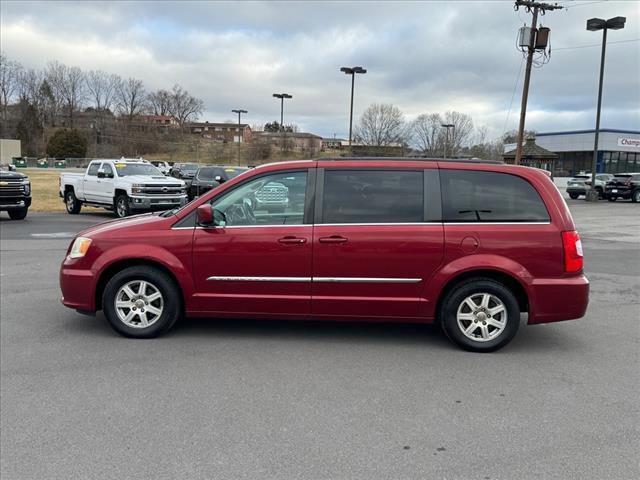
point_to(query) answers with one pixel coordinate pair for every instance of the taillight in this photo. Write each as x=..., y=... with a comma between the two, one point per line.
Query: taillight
x=573, y=257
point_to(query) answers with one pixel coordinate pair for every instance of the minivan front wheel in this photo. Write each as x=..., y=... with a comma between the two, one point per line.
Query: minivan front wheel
x=141, y=302
x=480, y=315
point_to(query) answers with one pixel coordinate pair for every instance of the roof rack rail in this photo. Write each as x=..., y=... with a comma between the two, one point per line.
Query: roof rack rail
x=413, y=159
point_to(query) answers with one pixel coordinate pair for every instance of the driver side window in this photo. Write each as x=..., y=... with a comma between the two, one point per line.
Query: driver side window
x=276, y=199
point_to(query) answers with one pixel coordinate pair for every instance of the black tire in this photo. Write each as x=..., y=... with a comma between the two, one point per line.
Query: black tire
x=72, y=204
x=121, y=206
x=612, y=199
x=18, y=213
x=475, y=288
x=573, y=195
x=171, y=301
x=635, y=196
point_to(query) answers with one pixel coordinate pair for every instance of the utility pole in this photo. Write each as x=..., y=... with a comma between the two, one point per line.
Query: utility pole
x=239, y=112
x=352, y=71
x=534, y=7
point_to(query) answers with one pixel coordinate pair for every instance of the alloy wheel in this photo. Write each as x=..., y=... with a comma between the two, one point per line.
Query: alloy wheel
x=482, y=317
x=139, y=304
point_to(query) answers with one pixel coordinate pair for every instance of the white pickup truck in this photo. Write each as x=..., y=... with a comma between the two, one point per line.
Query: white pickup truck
x=122, y=186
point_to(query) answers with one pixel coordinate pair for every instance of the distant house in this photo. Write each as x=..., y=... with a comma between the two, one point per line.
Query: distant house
x=221, y=132
x=298, y=140
x=334, y=143
x=159, y=120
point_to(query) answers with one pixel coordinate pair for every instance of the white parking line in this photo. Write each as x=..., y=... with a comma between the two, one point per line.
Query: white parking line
x=54, y=235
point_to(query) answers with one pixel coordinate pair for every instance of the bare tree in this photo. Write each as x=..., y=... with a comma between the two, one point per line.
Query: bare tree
x=426, y=129
x=73, y=89
x=101, y=87
x=461, y=133
x=10, y=73
x=130, y=97
x=54, y=75
x=160, y=102
x=183, y=106
x=381, y=125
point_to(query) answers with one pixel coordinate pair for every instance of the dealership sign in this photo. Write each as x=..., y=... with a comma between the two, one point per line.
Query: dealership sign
x=629, y=142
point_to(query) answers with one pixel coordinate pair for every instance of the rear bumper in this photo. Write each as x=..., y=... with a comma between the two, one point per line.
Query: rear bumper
x=557, y=299
x=78, y=289
x=577, y=190
x=619, y=193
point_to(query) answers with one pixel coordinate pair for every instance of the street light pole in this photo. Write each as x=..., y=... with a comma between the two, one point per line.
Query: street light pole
x=282, y=96
x=352, y=71
x=593, y=25
x=239, y=112
x=446, y=139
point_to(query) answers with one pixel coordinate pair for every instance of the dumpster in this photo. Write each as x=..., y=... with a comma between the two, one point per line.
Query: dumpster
x=60, y=164
x=42, y=163
x=20, y=162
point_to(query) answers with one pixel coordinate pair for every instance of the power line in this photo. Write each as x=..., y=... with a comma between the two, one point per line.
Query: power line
x=582, y=4
x=513, y=95
x=597, y=44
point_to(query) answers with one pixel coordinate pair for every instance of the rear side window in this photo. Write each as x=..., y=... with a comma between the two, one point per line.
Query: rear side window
x=93, y=169
x=475, y=196
x=373, y=196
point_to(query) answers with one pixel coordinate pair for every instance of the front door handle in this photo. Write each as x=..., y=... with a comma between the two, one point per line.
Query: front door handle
x=292, y=240
x=332, y=239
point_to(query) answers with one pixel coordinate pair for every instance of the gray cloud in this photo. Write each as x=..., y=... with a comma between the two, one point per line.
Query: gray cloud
x=422, y=56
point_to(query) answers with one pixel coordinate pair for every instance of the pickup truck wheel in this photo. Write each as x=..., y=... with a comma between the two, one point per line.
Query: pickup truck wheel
x=635, y=198
x=18, y=213
x=573, y=196
x=121, y=207
x=72, y=203
x=141, y=302
x=480, y=315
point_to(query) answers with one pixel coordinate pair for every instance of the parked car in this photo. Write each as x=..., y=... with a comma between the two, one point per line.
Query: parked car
x=164, y=167
x=467, y=245
x=579, y=184
x=123, y=186
x=15, y=193
x=212, y=176
x=185, y=172
x=624, y=185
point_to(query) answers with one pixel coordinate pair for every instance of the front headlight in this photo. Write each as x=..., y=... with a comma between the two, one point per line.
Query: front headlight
x=137, y=188
x=80, y=247
x=27, y=187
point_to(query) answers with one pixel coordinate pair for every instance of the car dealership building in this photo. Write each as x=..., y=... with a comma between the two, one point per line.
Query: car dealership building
x=618, y=150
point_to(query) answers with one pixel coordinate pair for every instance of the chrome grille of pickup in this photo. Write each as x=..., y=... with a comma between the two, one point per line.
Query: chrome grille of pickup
x=11, y=188
x=162, y=189
x=272, y=194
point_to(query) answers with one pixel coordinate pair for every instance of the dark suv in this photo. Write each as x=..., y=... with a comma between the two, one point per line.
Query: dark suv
x=212, y=176
x=15, y=194
x=185, y=172
x=624, y=185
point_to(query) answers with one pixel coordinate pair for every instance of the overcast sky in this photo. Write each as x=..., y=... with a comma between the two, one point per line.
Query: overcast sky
x=422, y=56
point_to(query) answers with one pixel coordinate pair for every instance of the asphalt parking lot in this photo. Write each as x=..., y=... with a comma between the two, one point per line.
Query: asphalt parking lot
x=277, y=400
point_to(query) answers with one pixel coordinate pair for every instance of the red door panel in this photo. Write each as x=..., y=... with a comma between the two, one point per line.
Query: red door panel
x=373, y=270
x=253, y=269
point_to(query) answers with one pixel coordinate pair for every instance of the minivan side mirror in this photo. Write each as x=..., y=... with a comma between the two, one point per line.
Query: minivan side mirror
x=205, y=215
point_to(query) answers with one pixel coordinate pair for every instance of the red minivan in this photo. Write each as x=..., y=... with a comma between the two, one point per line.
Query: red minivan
x=468, y=245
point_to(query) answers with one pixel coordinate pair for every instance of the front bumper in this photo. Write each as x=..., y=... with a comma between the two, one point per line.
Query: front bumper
x=78, y=288
x=140, y=202
x=14, y=203
x=557, y=299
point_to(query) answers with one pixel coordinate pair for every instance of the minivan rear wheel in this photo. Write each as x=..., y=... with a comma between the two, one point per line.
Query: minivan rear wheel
x=141, y=302
x=480, y=315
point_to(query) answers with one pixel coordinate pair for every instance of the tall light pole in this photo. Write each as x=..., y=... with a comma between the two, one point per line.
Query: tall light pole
x=239, y=112
x=446, y=141
x=282, y=96
x=352, y=71
x=593, y=25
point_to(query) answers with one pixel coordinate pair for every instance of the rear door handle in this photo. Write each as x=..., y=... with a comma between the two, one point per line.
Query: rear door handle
x=332, y=239
x=292, y=240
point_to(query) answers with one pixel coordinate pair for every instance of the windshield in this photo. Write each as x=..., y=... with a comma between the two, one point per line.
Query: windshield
x=234, y=172
x=189, y=167
x=127, y=169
